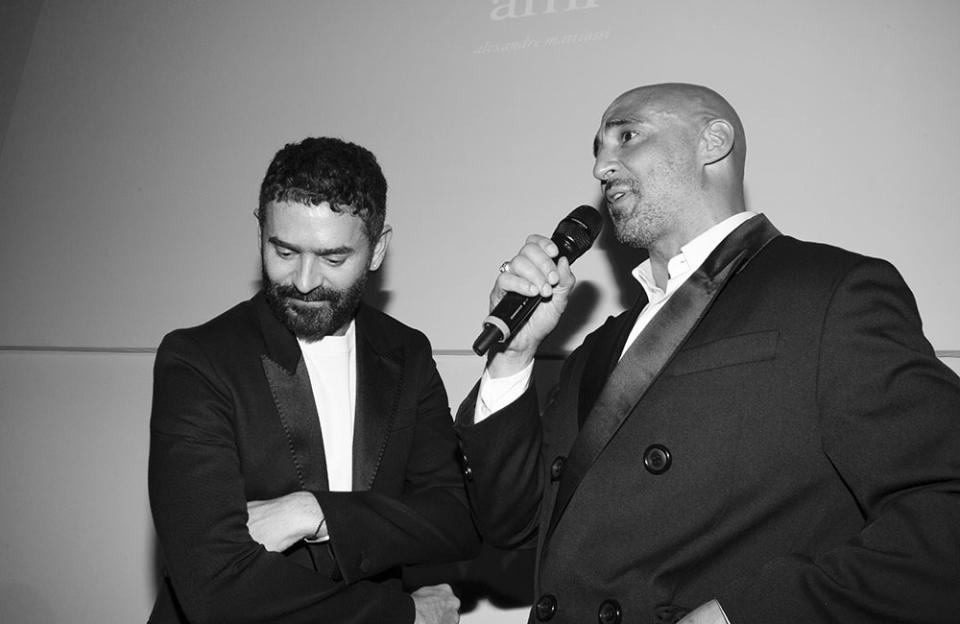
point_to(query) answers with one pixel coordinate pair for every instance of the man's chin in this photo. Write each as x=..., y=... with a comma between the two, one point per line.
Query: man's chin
x=316, y=322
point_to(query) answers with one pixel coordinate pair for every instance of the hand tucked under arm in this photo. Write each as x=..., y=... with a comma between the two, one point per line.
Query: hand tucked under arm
x=281, y=522
x=436, y=604
x=707, y=613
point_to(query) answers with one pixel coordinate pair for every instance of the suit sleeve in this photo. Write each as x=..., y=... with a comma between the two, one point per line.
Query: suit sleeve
x=890, y=421
x=503, y=469
x=430, y=522
x=505, y=456
x=196, y=489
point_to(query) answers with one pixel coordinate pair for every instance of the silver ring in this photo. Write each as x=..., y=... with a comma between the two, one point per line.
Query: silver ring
x=505, y=267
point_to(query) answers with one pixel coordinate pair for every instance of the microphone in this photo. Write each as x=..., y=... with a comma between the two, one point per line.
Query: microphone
x=573, y=236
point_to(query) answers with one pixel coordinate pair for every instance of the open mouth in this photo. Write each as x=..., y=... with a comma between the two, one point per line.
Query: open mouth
x=615, y=195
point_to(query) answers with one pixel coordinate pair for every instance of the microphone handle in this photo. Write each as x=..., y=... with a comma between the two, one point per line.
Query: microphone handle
x=508, y=315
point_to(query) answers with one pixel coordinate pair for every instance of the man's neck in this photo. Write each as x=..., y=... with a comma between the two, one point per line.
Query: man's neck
x=662, y=251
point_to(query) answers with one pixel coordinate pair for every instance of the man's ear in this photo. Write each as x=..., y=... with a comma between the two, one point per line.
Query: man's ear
x=380, y=248
x=716, y=141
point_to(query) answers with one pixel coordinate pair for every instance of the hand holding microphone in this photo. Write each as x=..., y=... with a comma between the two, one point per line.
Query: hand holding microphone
x=532, y=287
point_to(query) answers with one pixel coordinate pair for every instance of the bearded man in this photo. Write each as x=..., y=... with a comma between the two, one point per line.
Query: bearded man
x=301, y=445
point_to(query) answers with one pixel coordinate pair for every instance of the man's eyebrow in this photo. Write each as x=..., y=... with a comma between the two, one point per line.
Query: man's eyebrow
x=612, y=124
x=334, y=251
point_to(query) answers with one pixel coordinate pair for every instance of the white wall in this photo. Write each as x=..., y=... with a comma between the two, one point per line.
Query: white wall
x=139, y=131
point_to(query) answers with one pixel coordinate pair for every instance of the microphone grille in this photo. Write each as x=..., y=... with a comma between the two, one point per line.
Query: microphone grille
x=577, y=231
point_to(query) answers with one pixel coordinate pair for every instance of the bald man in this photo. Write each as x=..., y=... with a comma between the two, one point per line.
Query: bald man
x=765, y=436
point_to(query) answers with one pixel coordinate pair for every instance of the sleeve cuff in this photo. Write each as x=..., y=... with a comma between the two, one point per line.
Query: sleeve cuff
x=497, y=393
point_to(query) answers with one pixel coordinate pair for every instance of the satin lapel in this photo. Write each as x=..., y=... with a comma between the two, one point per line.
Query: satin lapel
x=651, y=351
x=379, y=382
x=293, y=396
x=603, y=358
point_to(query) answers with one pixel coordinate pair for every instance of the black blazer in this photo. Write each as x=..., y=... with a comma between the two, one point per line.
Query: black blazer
x=781, y=437
x=234, y=419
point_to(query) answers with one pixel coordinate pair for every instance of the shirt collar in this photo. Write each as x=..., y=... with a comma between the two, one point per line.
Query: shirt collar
x=691, y=256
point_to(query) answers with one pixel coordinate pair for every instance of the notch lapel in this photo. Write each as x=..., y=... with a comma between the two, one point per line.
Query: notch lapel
x=652, y=350
x=379, y=384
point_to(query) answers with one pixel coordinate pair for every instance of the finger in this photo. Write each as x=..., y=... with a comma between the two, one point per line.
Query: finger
x=524, y=278
x=537, y=268
x=540, y=255
x=546, y=244
x=439, y=589
x=566, y=278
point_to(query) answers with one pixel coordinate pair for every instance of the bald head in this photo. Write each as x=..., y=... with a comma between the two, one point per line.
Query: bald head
x=670, y=161
x=694, y=105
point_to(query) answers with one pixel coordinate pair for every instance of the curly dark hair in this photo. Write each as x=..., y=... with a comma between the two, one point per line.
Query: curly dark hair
x=330, y=170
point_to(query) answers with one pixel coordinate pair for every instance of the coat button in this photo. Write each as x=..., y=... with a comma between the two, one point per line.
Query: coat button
x=556, y=469
x=656, y=459
x=546, y=608
x=464, y=464
x=609, y=612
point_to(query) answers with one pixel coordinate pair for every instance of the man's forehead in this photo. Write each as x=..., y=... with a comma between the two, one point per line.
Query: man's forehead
x=639, y=105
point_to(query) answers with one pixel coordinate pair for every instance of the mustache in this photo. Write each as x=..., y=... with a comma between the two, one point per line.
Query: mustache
x=621, y=181
x=320, y=293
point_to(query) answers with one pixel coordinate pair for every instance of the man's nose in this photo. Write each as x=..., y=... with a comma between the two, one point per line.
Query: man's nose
x=308, y=275
x=604, y=166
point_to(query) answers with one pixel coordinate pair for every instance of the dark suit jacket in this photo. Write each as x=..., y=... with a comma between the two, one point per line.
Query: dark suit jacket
x=234, y=420
x=792, y=450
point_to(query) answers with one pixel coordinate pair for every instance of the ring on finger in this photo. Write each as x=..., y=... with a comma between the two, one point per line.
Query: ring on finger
x=505, y=267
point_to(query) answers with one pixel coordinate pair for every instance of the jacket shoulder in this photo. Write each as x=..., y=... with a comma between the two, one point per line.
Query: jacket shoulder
x=817, y=256
x=233, y=327
x=383, y=327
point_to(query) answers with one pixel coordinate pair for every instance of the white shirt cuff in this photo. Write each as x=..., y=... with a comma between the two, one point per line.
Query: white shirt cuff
x=497, y=393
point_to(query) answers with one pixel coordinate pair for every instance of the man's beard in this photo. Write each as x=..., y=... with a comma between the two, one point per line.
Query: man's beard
x=644, y=222
x=311, y=323
x=631, y=225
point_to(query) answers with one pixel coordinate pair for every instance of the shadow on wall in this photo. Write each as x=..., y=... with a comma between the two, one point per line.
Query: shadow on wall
x=586, y=295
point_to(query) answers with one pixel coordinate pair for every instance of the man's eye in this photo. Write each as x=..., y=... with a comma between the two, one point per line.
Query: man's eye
x=626, y=135
x=334, y=260
x=286, y=254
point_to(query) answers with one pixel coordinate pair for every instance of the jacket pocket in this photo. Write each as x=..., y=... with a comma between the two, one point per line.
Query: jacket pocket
x=754, y=347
